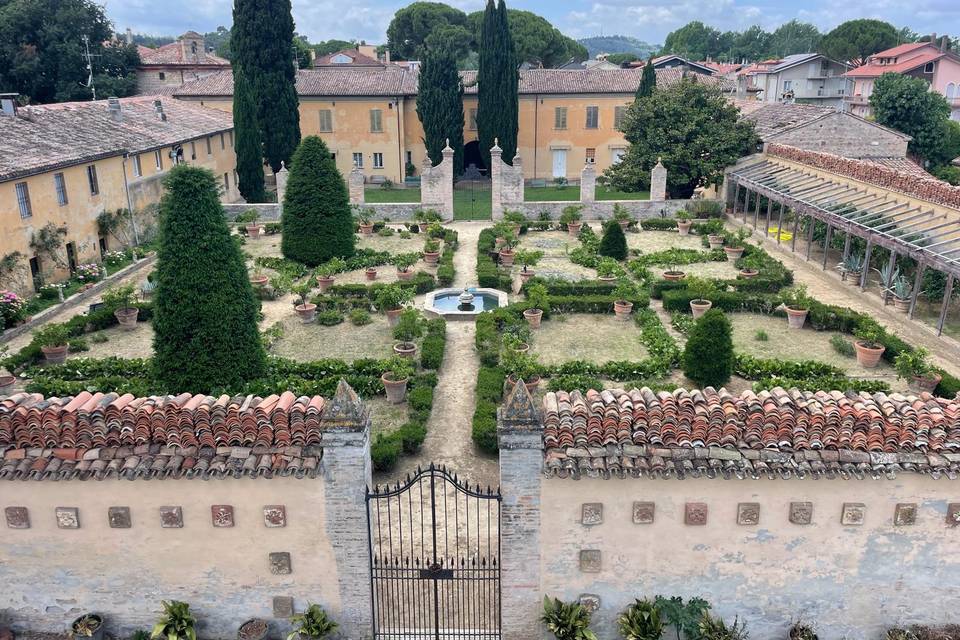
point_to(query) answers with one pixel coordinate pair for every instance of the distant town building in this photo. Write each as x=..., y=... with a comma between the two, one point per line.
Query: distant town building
x=169, y=66
x=804, y=78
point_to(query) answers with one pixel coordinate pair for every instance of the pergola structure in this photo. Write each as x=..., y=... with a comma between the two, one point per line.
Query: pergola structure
x=906, y=225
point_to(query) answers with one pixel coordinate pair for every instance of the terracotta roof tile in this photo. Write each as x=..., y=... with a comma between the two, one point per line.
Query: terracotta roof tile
x=774, y=433
x=177, y=54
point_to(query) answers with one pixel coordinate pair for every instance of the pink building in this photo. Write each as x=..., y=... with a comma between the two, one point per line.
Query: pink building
x=933, y=61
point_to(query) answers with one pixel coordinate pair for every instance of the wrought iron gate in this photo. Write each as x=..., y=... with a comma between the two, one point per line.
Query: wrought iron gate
x=434, y=558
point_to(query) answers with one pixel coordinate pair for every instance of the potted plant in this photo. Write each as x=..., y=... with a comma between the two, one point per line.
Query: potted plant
x=622, y=294
x=888, y=275
x=851, y=266
x=370, y=273
x=521, y=366
x=571, y=217
x=622, y=216
x=750, y=266
x=254, y=230
x=913, y=367
x=673, y=274
x=734, y=242
x=641, y=621
x=123, y=299
x=869, y=346
x=431, y=251
x=259, y=279
x=253, y=629
x=52, y=340
x=175, y=623
x=796, y=302
x=901, y=293
x=516, y=340
x=302, y=305
x=516, y=220
x=89, y=625
x=702, y=288
x=395, y=379
x=390, y=299
x=566, y=620
x=365, y=222
x=802, y=631
x=325, y=272
x=537, y=301
x=409, y=328
x=312, y=624
x=608, y=270
x=683, y=222
x=527, y=258
x=715, y=240
x=403, y=262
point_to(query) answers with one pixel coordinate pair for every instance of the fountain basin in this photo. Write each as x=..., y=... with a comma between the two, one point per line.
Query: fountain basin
x=463, y=304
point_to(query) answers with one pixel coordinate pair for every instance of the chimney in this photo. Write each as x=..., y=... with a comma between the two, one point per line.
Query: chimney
x=386, y=56
x=113, y=106
x=944, y=44
x=158, y=109
x=8, y=104
x=129, y=37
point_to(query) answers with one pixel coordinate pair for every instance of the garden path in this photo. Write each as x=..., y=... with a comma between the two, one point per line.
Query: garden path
x=448, y=440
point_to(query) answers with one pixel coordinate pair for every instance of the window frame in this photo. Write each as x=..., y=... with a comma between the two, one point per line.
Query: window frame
x=22, y=189
x=92, y=180
x=137, y=166
x=60, y=186
x=379, y=119
x=358, y=159
x=619, y=113
x=158, y=159
x=329, y=116
x=595, y=110
x=377, y=160
x=557, y=113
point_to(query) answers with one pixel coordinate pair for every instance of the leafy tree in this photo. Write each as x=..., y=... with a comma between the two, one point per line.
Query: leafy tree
x=457, y=40
x=708, y=355
x=317, y=224
x=247, y=144
x=906, y=104
x=326, y=47
x=621, y=59
x=262, y=44
x=614, y=243
x=219, y=39
x=793, y=37
x=536, y=40
x=498, y=84
x=949, y=145
x=752, y=44
x=440, y=104
x=648, y=80
x=694, y=41
x=302, y=50
x=205, y=314
x=855, y=40
x=412, y=24
x=695, y=130
x=42, y=51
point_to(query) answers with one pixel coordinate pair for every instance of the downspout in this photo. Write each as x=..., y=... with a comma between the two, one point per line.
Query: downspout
x=126, y=191
x=402, y=164
x=536, y=130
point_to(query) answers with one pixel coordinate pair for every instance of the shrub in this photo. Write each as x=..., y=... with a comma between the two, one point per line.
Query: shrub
x=708, y=356
x=317, y=224
x=205, y=320
x=329, y=318
x=566, y=620
x=658, y=224
x=313, y=623
x=484, y=430
x=360, y=317
x=614, y=243
x=641, y=621
x=55, y=334
x=176, y=621
x=761, y=336
x=409, y=326
x=411, y=436
x=433, y=347
x=574, y=381
x=714, y=628
x=842, y=346
x=420, y=399
x=385, y=451
x=682, y=616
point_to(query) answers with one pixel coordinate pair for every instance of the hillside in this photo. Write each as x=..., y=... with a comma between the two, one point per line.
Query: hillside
x=618, y=44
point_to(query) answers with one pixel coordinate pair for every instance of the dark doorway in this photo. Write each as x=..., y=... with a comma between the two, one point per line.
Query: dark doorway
x=72, y=256
x=472, y=155
x=103, y=246
x=36, y=273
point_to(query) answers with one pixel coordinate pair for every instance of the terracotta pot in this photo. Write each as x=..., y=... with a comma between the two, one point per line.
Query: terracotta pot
x=523, y=347
x=307, y=312
x=622, y=309
x=127, y=317
x=674, y=276
x=700, y=307
x=573, y=228
x=393, y=316
x=684, y=228
x=607, y=279
x=533, y=317
x=499, y=241
x=371, y=273
x=405, y=349
x=733, y=253
x=97, y=633
x=853, y=277
x=259, y=281
x=431, y=257
x=715, y=241
x=6, y=384
x=254, y=231
x=404, y=275
x=796, y=318
x=868, y=357
x=55, y=355
x=530, y=384
x=901, y=304
x=324, y=282
x=624, y=224
x=366, y=229
x=526, y=275
x=516, y=229
x=506, y=257
x=396, y=389
x=925, y=383
x=749, y=273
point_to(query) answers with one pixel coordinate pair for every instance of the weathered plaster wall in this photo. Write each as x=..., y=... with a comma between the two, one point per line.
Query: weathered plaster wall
x=852, y=581
x=603, y=209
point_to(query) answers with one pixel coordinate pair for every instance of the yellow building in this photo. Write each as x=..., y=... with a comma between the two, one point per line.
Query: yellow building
x=368, y=117
x=65, y=164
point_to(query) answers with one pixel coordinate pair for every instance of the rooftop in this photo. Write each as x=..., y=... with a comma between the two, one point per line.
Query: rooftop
x=181, y=52
x=46, y=137
x=772, y=118
x=356, y=59
x=875, y=69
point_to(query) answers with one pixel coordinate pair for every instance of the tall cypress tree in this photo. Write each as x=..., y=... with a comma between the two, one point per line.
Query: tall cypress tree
x=648, y=81
x=498, y=84
x=205, y=314
x=246, y=140
x=262, y=45
x=440, y=104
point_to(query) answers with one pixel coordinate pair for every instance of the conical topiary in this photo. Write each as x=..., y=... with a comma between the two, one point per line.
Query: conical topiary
x=708, y=356
x=614, y=243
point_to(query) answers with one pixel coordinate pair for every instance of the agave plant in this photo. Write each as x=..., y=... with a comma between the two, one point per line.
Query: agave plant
x=641, y=621
x=853, y=263
x=566, y=620
x=888, y=275
x=902, y=287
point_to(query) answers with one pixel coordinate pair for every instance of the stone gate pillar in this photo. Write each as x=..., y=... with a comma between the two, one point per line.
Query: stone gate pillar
x=496, y=180
x=520, y=436
x=588, y=183
x=282, y=176
x=447, y=183
x=355, y=184
x=346, y=472
x=658, y=182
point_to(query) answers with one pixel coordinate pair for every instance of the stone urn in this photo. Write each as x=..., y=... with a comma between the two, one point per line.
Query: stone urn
x=259, y=281
x=733, y=253
x=371, y=273
x=533, y=317
x=624, y=224
x=324, y=282
x=396, y=389
x=393, y=316
x=700, y=307
x=715, y=241
x=127, y=317
x=796, y=317
x=253, y=629
x=622, y=309
x=868, y=357
x=404, y=275
x=55, y=354
x=405, y=349
x=307, y=312
x=607, y=279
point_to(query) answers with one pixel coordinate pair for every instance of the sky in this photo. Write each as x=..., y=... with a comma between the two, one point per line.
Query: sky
x=648, y=20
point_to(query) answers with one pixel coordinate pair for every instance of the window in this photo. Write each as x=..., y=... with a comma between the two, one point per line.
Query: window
x=162, y=75
x=952, y=91
x=209, y=147
x=92, y=179
x=358, y=160
x=788, y=85
x=409, y=157
x=193, y=150
x=226, y=182
x=223, y=145
x=618, y=115
x=472, y=122
x=591, y=156
x=378, y=161
x=23, y=200
x=341, y=59
x=326, y=120
x=560, y=118
x=158, y=159
x=593, y=117
x=137, y=166
x=193, y=48
x=376, y=120
x=61, y=184
x=928, y=68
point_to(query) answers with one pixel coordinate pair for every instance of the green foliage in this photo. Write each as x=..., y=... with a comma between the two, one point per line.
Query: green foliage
x=392, y=296
x=385, y=452
x=906, y=104
x=121, y=296
x=714, y=628
x=313, y=623
x=488, y=273
x=855, y=40
x=412, y=25
x=684, y=617
x=317, y=224
x=566, y=620
x=842, y=346
x=409, y=326
x=434, y=344
x=761, y=336
x=537, y=297
x=648, y=80
x=870, y=333
x=910, y=364
x=708, y=356
x=329, y=318
x=537, y=41
x=54, y=334
x=440, y=104
x=497, y=84
x=572, y=381
x=247, y=142
x=205, y=323
x=175, y=623
x=360, y=317
x=614, y=243
x=641, y=621
x=412, y=435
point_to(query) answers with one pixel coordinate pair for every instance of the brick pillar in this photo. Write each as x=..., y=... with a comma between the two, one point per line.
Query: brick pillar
x=496, y=180
x=447, y=185
x=588, y=183
x=520, y=436
x=658, y=182
x=282, y=176
x=355, y=183
x=346, y=472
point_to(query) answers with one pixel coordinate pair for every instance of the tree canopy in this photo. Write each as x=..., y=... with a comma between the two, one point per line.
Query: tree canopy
x=42, y=51
x=692, y=127
x=412, y=24
x=440, y=105
x=855, y=40
x=497, y=84
x=698, y=41
x=537, y=41
x=906, y=104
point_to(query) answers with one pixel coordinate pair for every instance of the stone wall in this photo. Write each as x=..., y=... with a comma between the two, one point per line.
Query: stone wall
x=436, y=185
x=603, y=209
x=506, y=183
x=268, y=212
x=845, y=135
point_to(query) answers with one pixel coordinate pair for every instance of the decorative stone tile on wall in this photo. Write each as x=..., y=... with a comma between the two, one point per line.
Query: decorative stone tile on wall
x=17, y=517
x=275, y=515
x=591, y=513
x=280, y=563
x=119, y=517
x=171, y=517
x=68, y=517
x=590, y=560
x=748, y=513
x=853, y=513
x=905, y=514
x=695, y=513
x=222, y=515
x=590, y=602
x=953, y=514
x=801, y=512
x=643, y=512
x=282, y=607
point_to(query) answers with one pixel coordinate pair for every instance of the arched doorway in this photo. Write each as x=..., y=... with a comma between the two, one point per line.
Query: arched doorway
x=472, y=155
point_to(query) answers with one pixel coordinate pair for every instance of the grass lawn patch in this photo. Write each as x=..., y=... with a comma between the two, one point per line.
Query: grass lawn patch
x=376, y=195
x=652, y=241
x=307, y=342
x=588, y=337
x=386, y=417
x=723, y=270
x=572, y=192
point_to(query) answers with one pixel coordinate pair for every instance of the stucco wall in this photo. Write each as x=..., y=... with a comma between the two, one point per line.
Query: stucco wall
x=851, y=581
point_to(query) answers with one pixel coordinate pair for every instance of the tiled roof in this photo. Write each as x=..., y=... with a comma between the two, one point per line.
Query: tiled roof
x=872, y=70
x=777, y=433
x=359, y=59
x=187, y=436
x=772, y=118
x=178, y=53
x=900, y=49
x=902, y=165
x=46, y=137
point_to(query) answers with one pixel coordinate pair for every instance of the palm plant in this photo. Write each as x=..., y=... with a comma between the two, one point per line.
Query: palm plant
x=641, y=621
x=566, y=620
x=312, y=623
x=175, y=623
x=714, y=628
